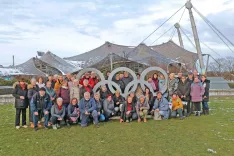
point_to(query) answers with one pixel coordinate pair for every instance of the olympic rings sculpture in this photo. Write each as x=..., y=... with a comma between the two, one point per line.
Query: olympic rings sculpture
x=132, y=86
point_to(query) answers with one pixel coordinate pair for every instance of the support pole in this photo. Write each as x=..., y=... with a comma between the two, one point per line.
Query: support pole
x=177, y=26
x=13, y=57
x=195, y=34
x=207, y=63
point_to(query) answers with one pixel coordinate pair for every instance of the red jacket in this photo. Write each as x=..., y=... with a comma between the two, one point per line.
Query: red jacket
x=82, y=80
x=93, y=81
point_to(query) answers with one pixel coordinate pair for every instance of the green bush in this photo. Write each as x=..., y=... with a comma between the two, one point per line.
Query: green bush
x=231, y=85
x=7, y=82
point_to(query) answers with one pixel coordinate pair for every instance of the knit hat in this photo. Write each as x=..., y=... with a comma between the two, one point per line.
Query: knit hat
x=42, y=89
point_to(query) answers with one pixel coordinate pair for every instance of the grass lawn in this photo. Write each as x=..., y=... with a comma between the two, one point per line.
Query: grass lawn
x=193, y=136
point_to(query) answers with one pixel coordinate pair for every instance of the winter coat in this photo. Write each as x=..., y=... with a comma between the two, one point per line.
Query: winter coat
x=93, y=82
x=190, y=81
x=53, y=83
x=152, y=85
x=40, y=85
x=57, y=85
x=70, y=110
x=127, y=80
x=162, y=83
x=82, y=80
x=156, y=83
x=108, y=107
x=125, y=109
x=99, y=105
x=87, y=105
x=17, y=92
x=32, y=90
x=149, y=98
x=119, y=99
x=51, y=92
x=40, y=102
x=75, y=92
x=172, y=86
x=64, y=93
x=206, y=85
x=55, y=112
x=161, y=104
x=176, y=104
x=197, y=90
x=120, y=83
x=184, y=89
x=84, y=89
x=103, y=95
x=143, y=106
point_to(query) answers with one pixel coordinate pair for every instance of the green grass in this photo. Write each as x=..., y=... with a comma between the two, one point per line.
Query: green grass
x=193, y=136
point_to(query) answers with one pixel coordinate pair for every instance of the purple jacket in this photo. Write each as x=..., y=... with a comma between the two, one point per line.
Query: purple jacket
x=197, y=90
x=152, y=84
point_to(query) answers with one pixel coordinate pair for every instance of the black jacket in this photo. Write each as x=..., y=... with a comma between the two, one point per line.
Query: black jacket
x=40, y=103
x=32, y=90
x=121, y=84
x=119, y=99
x=127, y=80
x=103, y=95
x=184, y=89
x=125, y=109
x=206, y=85
x=17, y=92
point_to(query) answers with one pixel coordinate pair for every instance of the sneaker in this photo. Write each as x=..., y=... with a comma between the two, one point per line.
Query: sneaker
x=25, y=126
x=35, y=128
x=31, y=125
x=58, y=125
x=46, y=127
x=127, y=121
x=130, y=119
x=54, y=127
x=198, y=113
x=17, y=127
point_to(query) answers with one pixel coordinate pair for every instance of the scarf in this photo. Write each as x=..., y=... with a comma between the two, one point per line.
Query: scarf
x=60, y=107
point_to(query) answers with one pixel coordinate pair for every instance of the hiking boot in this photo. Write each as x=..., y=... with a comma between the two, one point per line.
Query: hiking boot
x=17, y=127
x=25, y=126
x=54, y=127
x=31, y=125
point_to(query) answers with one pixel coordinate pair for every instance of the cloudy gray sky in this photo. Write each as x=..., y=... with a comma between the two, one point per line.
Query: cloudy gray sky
x=71, y=27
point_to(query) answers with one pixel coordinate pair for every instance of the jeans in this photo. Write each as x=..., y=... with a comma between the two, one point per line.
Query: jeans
x=17, y=116
x=197, y=106
x=205, y=105
x=36, y=118
x=85, y=118
x=165, y=114
x=179, y=111
x=30, y=115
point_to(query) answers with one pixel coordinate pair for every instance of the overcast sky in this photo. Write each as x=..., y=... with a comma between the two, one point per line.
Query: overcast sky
x=71, y=27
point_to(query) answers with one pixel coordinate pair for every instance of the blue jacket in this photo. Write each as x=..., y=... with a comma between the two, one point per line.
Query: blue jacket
x=91, y=105
x=162, y=104
x=40, y=103
x=70, y=110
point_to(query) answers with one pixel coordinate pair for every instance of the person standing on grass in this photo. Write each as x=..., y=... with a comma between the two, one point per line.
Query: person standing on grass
x=197, y=91
x=40, y=105
x=109, y=107
x=40, y=82
x=50, y=91
x=86, y=88
x=149, y=98
x=205, y=100
x=183, y=92
x=177, y=107
x=156, y=81
x=32, y=89
x=161, y=106
x=73, y=112
x=75, y=90
x=64, y=93
x=142, y=108
x=172, y=84
x=93, y=80
x=129, y=111
x=99, y=106
x=20, y=93
x=87, y=107
x=50, y=78
x=58, y=83
x=57, y=113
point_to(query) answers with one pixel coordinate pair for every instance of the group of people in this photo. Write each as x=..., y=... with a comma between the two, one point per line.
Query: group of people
x=57, y=100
